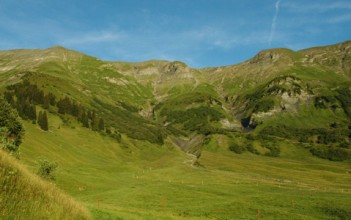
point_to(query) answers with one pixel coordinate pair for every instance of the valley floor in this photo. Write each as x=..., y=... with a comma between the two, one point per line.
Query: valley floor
x=136, y=180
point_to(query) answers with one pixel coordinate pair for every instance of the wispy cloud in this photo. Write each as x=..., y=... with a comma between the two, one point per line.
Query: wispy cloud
x=340, y=19
x=274, y=23
x=93, y=38
x=320, y=7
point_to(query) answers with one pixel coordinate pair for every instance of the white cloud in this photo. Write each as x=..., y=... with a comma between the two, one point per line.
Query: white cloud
x=340, y=19
x=274, y=23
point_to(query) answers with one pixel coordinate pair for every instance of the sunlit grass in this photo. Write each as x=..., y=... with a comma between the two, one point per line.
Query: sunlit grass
x=25, y=196
x=138, y=180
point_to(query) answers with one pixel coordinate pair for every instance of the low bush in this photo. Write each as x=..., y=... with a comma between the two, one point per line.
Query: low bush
x=46, y=169
x=274, y=151
x=252, y=149
x=236, y=148
x=331, y=153
x=340, y=213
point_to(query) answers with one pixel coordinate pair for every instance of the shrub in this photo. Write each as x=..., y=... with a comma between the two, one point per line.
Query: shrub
x=274, y=150
x=331, y=153
x=264, y=105
x=252, y=149
x=46, y=169
x=340, y=213
x=237, y=148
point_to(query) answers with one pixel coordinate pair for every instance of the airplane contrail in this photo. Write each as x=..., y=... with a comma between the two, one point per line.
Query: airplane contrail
x=274, y=22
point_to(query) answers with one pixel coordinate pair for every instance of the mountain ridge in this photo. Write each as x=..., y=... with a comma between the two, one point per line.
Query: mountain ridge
x=136, y=140
x=344, y=44
x=273, y=82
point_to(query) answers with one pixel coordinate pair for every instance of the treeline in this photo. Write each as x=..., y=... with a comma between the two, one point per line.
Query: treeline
x=89, y=119
x=26, y=96
x=304, y=135
x=328, y=143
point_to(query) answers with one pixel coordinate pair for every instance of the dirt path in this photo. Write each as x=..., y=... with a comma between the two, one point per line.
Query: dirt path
x=191, y=160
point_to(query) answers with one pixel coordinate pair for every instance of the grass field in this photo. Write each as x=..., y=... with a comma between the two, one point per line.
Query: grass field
x=24, y=195
x=137, y=180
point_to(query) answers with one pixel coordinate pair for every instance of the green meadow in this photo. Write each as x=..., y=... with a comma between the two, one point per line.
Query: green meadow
x=137, y=180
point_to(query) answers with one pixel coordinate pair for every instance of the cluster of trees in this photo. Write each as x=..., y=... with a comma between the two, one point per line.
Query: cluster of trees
x=195, y=119
x=12, y=131
x=130, y=124
x=89, y=119
x=343, y=96
x=246, y=144
x=329, y=143
x=27, y=92
x=26, y=96
x=331, y=153
x=305, y=135
x=325, y=101
x=264, y=105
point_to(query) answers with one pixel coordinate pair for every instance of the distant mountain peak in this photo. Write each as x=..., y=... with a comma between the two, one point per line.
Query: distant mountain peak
x=272, y=55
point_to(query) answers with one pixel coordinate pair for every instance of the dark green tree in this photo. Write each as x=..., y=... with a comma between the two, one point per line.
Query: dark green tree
x=101, y=125
x=64, y=106
x=46, y=103
x=11, y=129
x=43, y=120
x=52, y=99
x=94, y=122
x=108, y=130
x=74, y=109
x=85, y=120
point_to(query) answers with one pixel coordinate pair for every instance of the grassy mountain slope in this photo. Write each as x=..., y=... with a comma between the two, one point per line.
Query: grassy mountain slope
x=136, y=98
x=25, y=196
x=249, y=132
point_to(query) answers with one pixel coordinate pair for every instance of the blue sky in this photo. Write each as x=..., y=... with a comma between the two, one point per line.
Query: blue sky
x=199, y=32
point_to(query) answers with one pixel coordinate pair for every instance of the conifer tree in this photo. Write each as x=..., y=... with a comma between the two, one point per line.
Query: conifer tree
x=85, y=120
x=52, y=98
x=33, y=113
x=46, y=103
x=43, y=120
x=101, y=125
x=94, y=121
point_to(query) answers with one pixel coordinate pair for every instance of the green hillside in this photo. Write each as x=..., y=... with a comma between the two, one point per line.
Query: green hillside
x=25, y=196
x=162, y=140
x=138, y=180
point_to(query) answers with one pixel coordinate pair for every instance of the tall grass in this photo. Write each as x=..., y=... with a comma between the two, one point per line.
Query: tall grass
x=25, y=196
